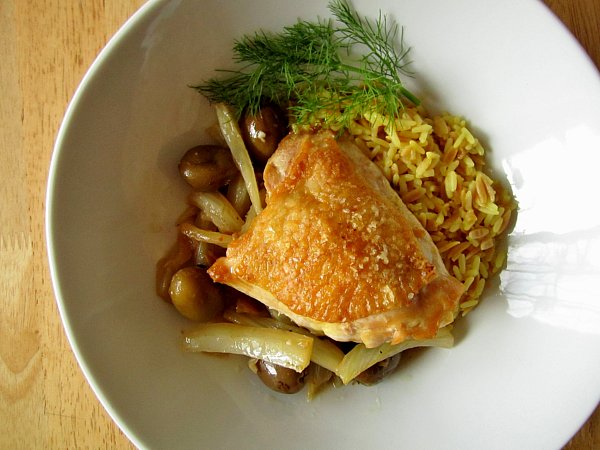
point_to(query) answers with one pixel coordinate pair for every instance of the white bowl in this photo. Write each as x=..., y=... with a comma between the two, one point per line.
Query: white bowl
x=525, y=372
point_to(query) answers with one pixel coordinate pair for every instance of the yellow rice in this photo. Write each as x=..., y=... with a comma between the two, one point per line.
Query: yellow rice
x=437, y=166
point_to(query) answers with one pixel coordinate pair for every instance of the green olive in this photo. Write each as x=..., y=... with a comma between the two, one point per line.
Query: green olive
x=195, y=295
x=263, y=131
x=207, y=167
x=379, y=371
x=178, y=257
x=279, y=378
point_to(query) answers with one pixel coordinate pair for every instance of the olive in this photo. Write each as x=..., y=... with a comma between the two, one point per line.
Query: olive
x=207, y=167
x=166, y=267
x=195, y=295
x=279, y=378
x=379, y=371
x=263, y=131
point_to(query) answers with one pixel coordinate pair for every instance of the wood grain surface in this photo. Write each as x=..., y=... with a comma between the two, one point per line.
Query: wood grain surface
x=45, y=48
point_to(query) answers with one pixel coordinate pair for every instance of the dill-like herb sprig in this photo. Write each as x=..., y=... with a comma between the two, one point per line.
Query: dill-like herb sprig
x=323, y=72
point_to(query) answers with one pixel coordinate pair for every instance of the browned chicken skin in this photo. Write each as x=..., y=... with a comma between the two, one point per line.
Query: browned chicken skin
x=337, y=251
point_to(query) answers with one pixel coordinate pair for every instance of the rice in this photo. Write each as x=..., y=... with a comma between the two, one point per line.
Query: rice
x=437, y=165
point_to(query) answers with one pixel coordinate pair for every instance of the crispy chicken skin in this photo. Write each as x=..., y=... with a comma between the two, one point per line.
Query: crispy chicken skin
x=337, y=251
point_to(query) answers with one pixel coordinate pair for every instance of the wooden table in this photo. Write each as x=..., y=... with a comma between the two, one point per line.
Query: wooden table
x=45, y=48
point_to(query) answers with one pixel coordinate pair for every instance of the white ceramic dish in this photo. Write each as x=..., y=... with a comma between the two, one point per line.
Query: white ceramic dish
x=525, y=372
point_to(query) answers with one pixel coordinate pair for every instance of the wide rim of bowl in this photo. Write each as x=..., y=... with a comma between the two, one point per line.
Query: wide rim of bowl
x=115, y=41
